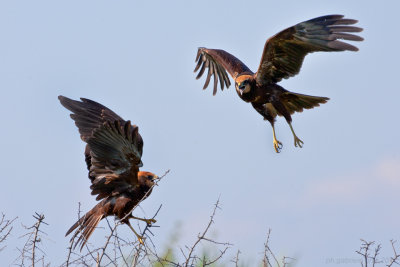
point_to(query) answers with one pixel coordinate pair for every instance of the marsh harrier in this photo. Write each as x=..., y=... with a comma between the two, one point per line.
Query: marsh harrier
x=113, y=156
x=282, y=58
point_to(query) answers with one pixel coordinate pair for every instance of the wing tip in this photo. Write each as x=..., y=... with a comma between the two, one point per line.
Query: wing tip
x=63, y=99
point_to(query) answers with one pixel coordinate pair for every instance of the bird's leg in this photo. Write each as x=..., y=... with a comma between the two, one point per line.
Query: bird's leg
x=139, y=237
x=148, y=221
x=277, y=145
x=297, y=141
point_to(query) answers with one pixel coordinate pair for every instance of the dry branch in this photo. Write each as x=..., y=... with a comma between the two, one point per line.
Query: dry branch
x=31, y=250
x=5, y=229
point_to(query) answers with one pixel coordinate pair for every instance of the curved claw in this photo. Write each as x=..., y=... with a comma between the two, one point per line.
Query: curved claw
x=150, y=221
x=298, y=142
x=140, y=239
x=277, y=146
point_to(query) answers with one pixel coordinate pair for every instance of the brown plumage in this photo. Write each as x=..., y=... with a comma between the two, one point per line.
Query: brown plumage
x=113, y=157
x=282, y=58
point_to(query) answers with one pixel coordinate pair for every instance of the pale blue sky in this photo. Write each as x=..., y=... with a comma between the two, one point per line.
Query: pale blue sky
x=138, y=58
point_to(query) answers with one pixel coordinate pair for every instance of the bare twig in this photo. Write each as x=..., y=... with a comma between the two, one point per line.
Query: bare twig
x=36, y=238
x=367, y=247
x=375, y=256
x=5, y=229
x=285, y=262
x=191, y=258
x=31, y=248
x=236, y=259
x=266, y=262
x=365, y=252
x=103, y=249
x=396, y=257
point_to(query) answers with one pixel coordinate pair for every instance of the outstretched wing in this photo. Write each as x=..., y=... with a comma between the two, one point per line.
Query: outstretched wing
x=284, y=53
x=114, y=146
x=218, y=63
x=88, y=114
x=116, y=151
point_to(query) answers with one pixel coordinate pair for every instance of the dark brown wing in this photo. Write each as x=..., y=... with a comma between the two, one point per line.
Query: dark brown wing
x=114, y=149
x=88, y=114
x=218, y=63
x=284, y=53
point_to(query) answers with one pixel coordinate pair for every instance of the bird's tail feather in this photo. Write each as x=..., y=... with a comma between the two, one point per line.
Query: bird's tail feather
x=86, y=225
x=297, y=102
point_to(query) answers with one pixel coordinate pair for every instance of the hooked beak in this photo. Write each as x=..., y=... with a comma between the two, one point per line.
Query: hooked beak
x=156, y=179
x=240, y=88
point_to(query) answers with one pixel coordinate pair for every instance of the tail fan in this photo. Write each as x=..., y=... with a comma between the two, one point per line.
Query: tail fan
x=297, y=102
x=86, y=225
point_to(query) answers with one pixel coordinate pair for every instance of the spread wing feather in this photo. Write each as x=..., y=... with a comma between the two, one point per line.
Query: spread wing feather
x=284, y=53
x=88, y=114
x=218, y=62
x=115, y=158
x=114, y=146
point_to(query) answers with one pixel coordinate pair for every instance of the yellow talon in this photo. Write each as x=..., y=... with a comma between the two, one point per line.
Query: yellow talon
x=140, y=240
x=139, y=237
x=148, y=221
x=277, y=145
x=297, y=141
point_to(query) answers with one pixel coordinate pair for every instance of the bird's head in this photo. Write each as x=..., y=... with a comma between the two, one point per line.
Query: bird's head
x=243, y=84
x=147, y=178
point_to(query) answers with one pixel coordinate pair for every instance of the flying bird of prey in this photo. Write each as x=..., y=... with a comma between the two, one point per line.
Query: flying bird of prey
x=282, y=58
x=113, y=157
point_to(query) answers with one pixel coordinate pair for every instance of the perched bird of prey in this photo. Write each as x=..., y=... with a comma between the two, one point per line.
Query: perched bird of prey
x=282, y=58
x=113, y=157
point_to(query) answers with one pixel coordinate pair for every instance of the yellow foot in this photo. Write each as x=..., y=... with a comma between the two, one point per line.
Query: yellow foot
x=298, y=142
x=278, y=146
x=141, y=239
x=148, y=221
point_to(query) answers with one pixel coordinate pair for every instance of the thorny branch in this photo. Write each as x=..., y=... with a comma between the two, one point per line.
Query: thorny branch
x=5, y=229
x=36, y=238
x=114, y=251
x=366, y=250
x=236, y=259
x=103, y=249
x=396, y=257
x=31, y=248
x=268, y=252
x=190, y=259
